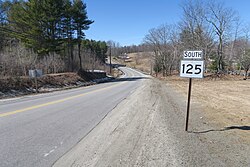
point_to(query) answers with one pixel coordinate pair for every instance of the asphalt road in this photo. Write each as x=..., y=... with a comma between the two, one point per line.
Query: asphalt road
x=37, y=130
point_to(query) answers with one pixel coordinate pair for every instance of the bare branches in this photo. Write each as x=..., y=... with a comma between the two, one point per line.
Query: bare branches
x=204, y=24
x=222, y=19
x=164, y=42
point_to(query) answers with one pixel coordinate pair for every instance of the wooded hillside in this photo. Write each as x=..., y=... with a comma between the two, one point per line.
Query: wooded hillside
x=47, y=35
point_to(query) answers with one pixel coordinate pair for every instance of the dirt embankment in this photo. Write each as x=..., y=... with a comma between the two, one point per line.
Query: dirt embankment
x=17, y=86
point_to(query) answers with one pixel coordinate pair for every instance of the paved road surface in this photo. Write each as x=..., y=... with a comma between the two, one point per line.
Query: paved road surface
x=37, y=130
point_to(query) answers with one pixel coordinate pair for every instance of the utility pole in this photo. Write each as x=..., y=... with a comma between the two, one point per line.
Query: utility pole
x=110, y=65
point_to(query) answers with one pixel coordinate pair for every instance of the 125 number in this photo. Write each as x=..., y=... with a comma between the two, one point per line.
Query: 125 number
x=189, y=68
x=192, y=69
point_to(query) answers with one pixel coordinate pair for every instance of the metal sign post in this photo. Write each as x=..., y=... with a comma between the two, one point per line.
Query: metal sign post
x=188, y=103
x=191, y=67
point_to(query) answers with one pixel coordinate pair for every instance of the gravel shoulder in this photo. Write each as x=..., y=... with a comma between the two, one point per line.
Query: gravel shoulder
x=147, y=129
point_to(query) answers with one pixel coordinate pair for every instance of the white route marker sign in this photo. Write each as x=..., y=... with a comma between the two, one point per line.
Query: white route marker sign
x=192, y=68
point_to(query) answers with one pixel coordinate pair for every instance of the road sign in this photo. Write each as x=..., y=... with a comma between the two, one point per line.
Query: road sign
x=195, y=54
x=192, y=68
x=35, y=73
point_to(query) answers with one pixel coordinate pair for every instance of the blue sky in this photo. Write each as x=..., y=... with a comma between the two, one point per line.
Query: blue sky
x=128, y=21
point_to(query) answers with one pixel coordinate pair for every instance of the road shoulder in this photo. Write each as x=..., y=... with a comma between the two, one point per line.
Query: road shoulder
x=147, y=129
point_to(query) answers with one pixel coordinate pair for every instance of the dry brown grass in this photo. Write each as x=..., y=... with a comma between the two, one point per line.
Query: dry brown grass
x=226, y=102
x=141, y=61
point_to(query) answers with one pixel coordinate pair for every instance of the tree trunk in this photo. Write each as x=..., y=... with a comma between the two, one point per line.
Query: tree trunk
x=79, y=55
x=72, y=57
x=220, y=58
x=164, y=68
x=69, y=56
x=246, y=71
x=170, y=69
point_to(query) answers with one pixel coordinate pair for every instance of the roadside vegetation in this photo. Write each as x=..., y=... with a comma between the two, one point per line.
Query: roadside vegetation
x=47, y=35
x=209, y=26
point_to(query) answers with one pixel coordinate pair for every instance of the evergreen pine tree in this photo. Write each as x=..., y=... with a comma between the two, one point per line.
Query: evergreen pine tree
x=81, y=23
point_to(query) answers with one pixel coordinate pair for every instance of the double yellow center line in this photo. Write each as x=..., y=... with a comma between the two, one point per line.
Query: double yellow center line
x=56, y=102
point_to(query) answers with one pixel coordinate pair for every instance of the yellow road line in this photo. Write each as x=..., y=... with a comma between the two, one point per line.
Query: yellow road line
x=55, y=102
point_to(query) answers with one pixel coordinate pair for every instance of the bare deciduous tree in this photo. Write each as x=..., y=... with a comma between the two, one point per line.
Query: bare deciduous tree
x=221, y=18
x=196, y=34
x=165, y=54
x=246, y=62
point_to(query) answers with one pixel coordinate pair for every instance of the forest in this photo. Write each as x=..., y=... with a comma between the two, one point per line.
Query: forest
x=47, y=35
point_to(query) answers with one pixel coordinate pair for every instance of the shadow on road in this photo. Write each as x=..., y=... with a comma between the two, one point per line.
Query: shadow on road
x=116, y=65
x=128, y=79
x=224, y=129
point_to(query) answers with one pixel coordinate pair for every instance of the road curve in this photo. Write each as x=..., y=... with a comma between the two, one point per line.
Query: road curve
x=37, y=130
